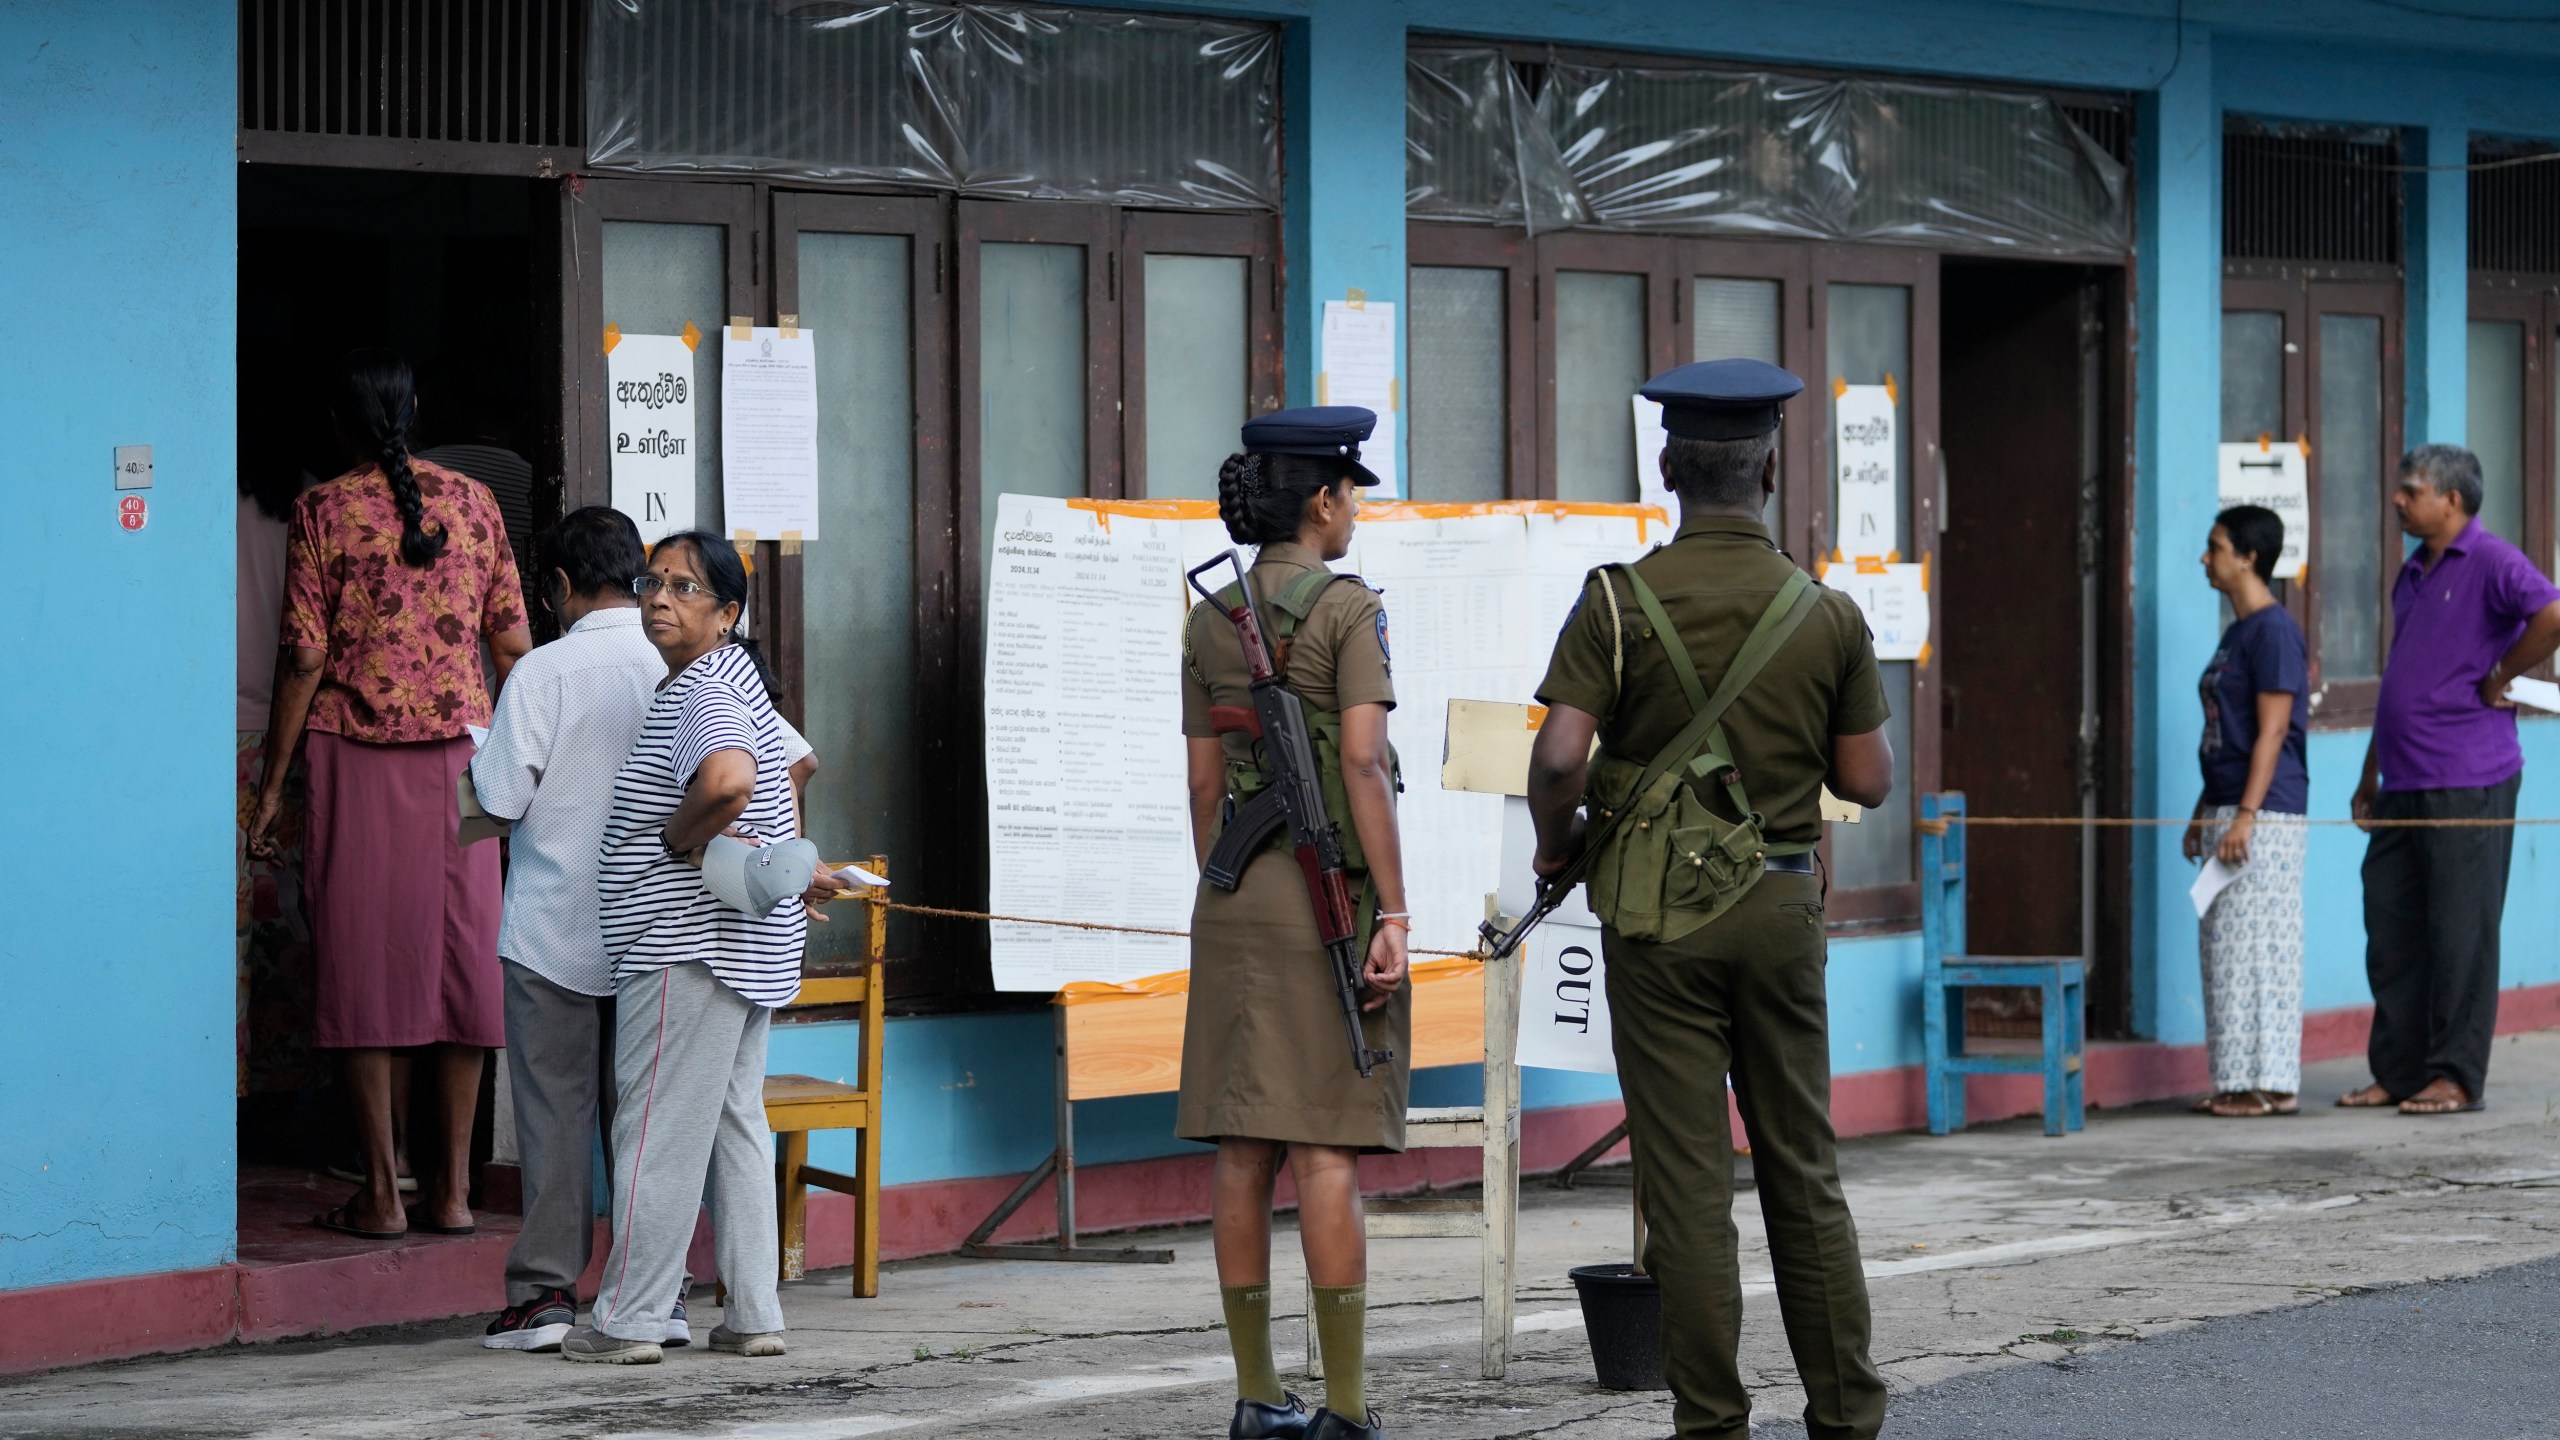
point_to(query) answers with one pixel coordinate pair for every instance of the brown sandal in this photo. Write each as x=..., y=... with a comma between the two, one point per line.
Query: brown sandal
x=2255, y=1105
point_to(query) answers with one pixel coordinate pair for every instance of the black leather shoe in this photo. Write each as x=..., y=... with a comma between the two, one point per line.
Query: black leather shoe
x=1329, y=1426
x=1257, y=1421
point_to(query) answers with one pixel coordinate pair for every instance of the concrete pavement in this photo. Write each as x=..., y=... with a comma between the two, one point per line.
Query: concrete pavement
x=1987, y=1251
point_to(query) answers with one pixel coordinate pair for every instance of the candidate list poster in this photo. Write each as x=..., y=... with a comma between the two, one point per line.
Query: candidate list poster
x=1087, y=800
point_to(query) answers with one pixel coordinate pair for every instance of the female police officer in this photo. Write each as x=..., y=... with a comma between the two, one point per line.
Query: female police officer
x=1265, y=1066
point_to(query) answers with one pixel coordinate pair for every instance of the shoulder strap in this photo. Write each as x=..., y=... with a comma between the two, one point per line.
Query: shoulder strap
x=1787, y=610
x=1297, y=599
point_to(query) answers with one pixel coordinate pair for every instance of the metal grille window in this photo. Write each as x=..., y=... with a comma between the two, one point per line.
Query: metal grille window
x=2514, y=207
x=502, y=72
x=2310, y=193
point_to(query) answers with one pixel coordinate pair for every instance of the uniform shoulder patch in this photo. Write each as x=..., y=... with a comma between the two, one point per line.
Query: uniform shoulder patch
x=1384, y=653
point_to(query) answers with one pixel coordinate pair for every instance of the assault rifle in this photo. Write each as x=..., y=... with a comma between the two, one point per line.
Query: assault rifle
x=1277, y=721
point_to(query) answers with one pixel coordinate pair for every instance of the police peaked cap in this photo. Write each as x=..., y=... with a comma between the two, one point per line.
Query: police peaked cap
x=1721, y=399
x=1329, y=430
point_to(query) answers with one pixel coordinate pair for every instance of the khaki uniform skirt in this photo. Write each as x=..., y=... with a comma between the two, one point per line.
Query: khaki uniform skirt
x=1264, y=1055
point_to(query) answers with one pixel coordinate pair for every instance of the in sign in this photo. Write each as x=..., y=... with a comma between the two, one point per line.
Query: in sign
x=133, y=512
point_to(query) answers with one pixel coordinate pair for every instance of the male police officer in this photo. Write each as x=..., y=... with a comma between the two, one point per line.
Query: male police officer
x=1706, y=888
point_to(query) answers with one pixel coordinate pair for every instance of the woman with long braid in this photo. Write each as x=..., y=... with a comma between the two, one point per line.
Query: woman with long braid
x=397, y=572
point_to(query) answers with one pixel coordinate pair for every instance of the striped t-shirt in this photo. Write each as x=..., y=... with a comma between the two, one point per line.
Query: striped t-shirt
x=656, y=910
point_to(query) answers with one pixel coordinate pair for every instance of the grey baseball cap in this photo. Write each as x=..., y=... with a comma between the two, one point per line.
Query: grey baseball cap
x=757, y=879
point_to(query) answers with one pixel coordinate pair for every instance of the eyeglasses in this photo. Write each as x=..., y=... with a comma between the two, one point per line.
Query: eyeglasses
x=645, y=586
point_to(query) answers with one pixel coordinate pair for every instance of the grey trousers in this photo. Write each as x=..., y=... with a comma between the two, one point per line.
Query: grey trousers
x=2433, y=900
x=559, y=1070
x=689, y=1105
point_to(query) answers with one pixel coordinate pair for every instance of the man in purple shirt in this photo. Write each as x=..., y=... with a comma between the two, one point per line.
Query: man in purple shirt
x=2469, y=614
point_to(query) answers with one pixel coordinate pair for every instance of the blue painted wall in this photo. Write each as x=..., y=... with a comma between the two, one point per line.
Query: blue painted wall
x=116, y=239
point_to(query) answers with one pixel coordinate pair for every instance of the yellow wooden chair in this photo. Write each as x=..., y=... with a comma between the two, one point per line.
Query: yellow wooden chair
x=794, y=1105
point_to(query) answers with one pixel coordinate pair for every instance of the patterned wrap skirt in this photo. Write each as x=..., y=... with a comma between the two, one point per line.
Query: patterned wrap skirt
x=2252, y=949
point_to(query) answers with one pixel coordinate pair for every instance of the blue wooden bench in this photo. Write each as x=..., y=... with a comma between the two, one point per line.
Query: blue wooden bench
x=1948, y=969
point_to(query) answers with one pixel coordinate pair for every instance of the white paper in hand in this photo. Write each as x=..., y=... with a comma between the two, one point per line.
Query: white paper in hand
x=856, y=875
x=2536, y=694
x=2211, y=881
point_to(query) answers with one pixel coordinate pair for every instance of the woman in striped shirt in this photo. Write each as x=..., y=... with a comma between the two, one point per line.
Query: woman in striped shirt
x=695, y=982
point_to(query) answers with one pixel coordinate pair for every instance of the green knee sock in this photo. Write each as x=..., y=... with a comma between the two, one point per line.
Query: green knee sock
x=1341, y=1321
x=1248, y=1310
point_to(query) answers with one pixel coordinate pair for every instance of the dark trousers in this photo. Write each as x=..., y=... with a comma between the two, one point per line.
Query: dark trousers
x=1743, y=996
x=560, y=1078
x=2432, y=902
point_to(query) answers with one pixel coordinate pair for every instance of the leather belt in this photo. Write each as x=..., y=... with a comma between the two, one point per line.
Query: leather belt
x=1790, y=864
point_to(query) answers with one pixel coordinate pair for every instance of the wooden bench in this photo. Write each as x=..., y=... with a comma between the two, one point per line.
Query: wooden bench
x=794, y=1105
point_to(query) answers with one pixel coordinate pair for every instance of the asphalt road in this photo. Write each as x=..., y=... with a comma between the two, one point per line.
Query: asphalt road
x=2475, y=1359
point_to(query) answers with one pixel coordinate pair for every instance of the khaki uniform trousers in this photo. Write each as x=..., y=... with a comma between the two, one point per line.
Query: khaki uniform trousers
x=1743, y=996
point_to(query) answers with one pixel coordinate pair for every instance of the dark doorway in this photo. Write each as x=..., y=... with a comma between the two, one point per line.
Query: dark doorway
x=442, y=269
x=2029, y=520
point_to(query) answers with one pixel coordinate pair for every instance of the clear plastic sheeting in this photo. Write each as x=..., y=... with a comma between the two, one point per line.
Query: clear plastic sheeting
x=1476, y=148
x=1748, y=153
x=1016, y=101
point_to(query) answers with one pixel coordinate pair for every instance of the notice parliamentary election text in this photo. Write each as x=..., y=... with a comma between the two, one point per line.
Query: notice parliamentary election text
x=1868, y=462
x=1359, y=368
x=649, y=413
x=769, y=432
x=2277, y=475
x=1087, y=814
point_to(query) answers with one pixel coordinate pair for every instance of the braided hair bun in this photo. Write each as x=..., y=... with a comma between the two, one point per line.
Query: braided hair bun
x=1263, y=498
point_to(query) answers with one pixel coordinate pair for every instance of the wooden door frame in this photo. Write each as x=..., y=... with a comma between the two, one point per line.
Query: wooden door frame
x=593, y=203
x=1648, y=257
x=1254, y=239
x=1481, y=247
x=1885, y=906
x=1790, y=264
x=2352, y=702
x=2530, y=300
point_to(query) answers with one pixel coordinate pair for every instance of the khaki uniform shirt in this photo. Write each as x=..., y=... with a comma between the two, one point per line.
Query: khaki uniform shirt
x=1337, y=659
x=1714, y=580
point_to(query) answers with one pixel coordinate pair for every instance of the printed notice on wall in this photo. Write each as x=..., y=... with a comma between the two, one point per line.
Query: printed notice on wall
x=649, y=414
x=1867, y=462
x=1087, y=806
x=769, y=432
x=1895, y=600
x=1359, y=368
x=1650, y=439
x=1086, y=812
x=2276, y=475
x=1564, y=1000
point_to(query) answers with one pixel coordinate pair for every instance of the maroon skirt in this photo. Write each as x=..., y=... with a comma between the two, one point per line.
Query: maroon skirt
x=404, y=921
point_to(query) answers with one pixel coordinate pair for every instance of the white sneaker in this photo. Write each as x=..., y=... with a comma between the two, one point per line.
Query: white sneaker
x=679, y=1333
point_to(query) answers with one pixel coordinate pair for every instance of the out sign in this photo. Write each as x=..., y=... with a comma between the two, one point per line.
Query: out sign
x=133, y=512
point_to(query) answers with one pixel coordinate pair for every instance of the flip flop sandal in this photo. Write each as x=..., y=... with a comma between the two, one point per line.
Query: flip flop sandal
x=2349, y=1101
x=2259, y=1107
x=418, y=1229
x=2432, y=1111
x=342, y=1220
x=2280, y=1104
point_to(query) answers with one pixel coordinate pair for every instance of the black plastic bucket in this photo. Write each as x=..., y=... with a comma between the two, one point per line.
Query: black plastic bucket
x=1622, y=1314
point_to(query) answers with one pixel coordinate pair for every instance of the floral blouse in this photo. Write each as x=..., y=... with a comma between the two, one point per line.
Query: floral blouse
x=403, y=642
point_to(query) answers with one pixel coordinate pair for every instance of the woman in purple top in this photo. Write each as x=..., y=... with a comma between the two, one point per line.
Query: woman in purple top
x=2256, y=790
